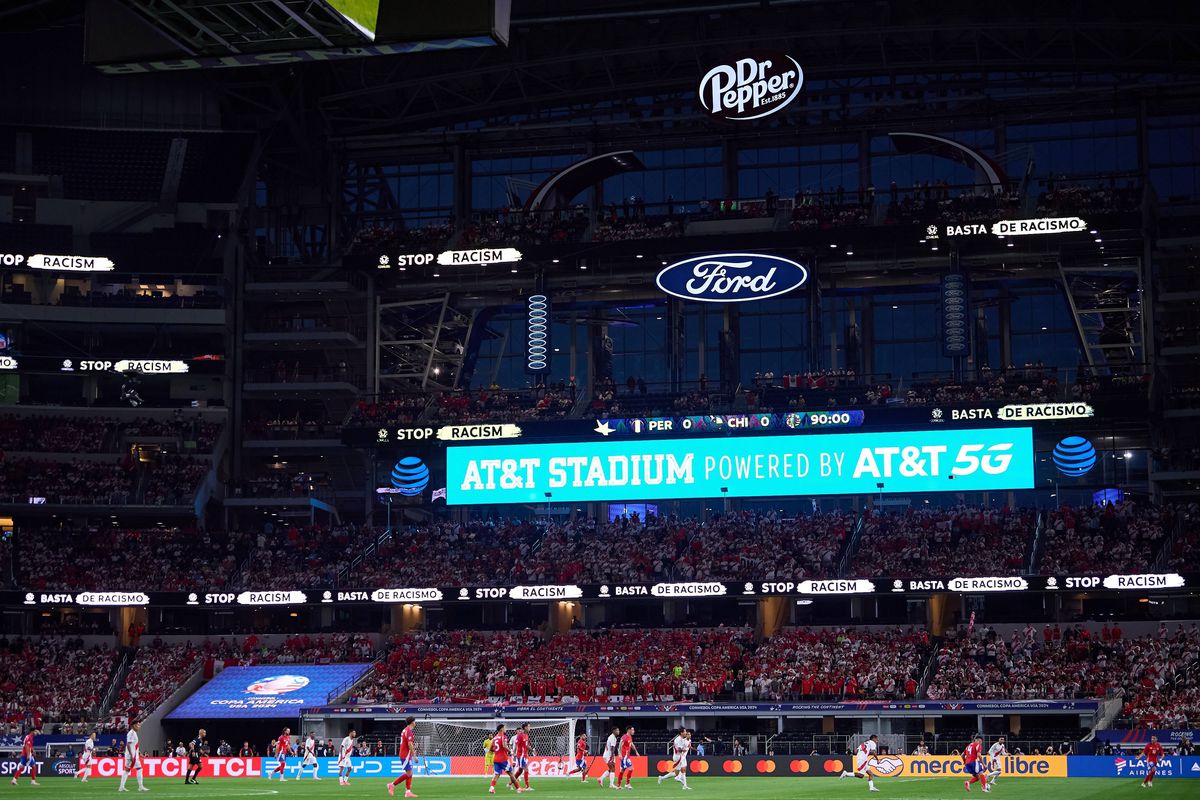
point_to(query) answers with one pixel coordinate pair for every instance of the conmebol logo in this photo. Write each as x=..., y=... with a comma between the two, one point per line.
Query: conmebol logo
x=731, y=277
x=753, y=84
x=277, y=684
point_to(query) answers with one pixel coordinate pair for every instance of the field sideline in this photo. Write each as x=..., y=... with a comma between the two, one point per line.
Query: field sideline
x=703, y=788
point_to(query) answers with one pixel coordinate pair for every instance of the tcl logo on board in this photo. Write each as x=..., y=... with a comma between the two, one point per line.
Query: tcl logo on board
x=754, y=84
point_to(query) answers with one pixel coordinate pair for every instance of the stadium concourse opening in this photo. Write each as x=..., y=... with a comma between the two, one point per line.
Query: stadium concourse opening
x=517, y=394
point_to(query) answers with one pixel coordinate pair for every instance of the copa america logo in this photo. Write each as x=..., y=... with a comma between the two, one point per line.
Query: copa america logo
x=277, y=685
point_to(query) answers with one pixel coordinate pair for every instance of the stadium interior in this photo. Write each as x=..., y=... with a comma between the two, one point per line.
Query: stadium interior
x=789, y=371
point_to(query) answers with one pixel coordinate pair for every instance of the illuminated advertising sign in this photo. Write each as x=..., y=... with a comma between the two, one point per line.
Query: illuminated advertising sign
x=766, y=466
x=370, y=767
x=753, y=84
x=1022, y=227
x=278, y=690
x=1014, y=227
x=567, y=592
x=153, y=366
x=936, y=766
x=1026, y=412
x=272, y=598
x=449, y=433
x=491, y=255
x=8, y=362
x=731, y=277
x=406, y=595
x=112, y=599
x=58, y=263
x=1169, y=580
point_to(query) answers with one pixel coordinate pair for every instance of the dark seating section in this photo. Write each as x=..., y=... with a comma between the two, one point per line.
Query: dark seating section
x=29, y=239
x=130, y=164
x=184, y=249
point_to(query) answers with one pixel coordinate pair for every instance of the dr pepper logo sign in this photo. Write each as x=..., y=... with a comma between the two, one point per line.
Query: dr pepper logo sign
x=751, y=85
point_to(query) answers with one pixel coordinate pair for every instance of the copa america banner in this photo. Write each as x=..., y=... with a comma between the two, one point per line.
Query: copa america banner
x=939, y=460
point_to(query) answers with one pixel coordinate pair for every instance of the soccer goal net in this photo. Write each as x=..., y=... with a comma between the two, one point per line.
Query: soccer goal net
x=549, y=738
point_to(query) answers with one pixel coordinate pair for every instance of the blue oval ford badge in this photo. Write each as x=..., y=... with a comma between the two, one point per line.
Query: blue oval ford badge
x=731, y=277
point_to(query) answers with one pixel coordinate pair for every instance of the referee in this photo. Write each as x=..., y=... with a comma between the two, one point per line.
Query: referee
x=196, y=748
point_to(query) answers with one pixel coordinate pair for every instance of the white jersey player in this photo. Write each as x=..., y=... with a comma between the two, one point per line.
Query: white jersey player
x=610, y=760
x=85, y=761
x=133, y=759
x=309, y=758
x=680, y=746
x=995, y=753
x=344, y=754
x=863, y=757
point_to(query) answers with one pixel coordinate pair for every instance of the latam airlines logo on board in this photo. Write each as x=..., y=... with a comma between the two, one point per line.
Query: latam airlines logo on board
x=731, y=277
x=752, y=85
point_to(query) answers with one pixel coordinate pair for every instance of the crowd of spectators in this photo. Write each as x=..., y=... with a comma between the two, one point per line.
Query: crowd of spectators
x=836, y=664
x=376, y=240
x=578, y=665
x=388, y=410
x=962, y=541
x=1120, y=538
x=62, y=434
x=735, y=546
x=1062, y=664
x=74, y=482
x=937, y=202
x=503, y=405
x=52, y=680
x=512, y=228
x=57, y=434
x=620, y=229
x=139, y=559
x=309, y=422
x=1069, y=200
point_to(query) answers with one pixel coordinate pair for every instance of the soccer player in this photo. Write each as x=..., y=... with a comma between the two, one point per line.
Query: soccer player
x=133, y=759
x=996, y=752
x=500, y=761
x=679, y=750
x=863, y=757
x=488, y=756
x=345, y=752
x=310, y=758
x=1152, y=753
x=627, y=750
x=283, y=746
x=610, y=759
x=85, y=760
x=581, y=766
x=408, y=756
x=973, y=764
x=27, y=761
x=196, y=748
x=522, y=750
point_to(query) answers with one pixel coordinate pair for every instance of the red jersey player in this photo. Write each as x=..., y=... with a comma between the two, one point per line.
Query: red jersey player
x=408, y=757
x=283, y=746
x=973, y=764
x=1153, y=753
x=626, y=750
x=581, y=751
x=28, y=761
x=522, y=750
x=500, y=759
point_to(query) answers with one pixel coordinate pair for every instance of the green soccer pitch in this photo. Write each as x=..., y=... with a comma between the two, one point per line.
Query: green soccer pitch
x=703, y=788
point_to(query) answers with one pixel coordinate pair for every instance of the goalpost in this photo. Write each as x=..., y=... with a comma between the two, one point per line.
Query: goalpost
x=549, y=738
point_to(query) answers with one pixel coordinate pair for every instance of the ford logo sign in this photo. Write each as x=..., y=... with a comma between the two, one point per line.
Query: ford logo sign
x=751, y=85
x=731, y=277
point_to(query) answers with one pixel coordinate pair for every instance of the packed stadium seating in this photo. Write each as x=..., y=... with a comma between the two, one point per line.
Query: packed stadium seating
x=961, y=541
x=52, y=680
x=1120, y=538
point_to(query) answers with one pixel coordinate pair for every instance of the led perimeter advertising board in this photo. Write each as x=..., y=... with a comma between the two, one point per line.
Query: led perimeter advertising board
x=981, y=459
